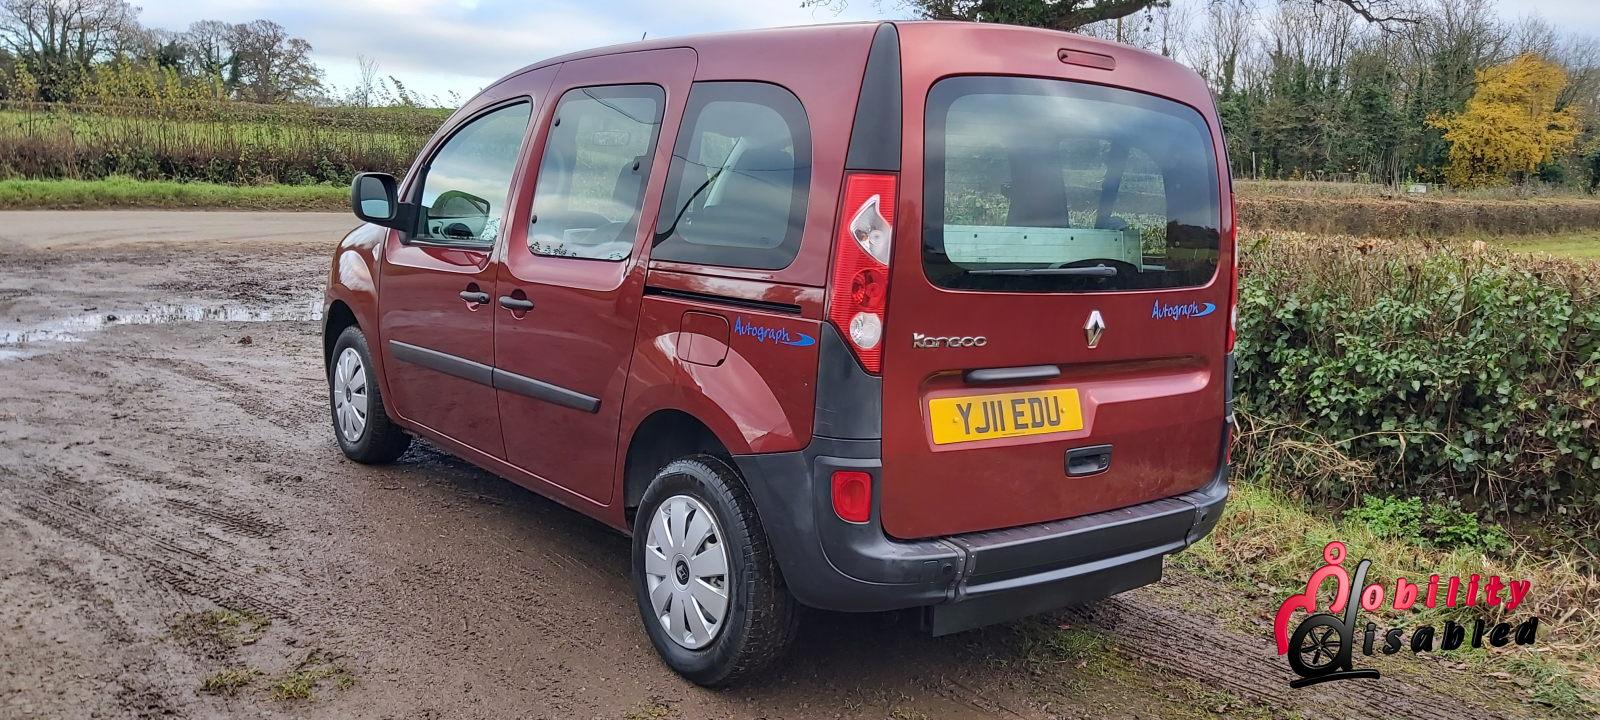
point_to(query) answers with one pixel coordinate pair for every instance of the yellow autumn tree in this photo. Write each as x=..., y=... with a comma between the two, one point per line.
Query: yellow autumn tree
x=1510, y=125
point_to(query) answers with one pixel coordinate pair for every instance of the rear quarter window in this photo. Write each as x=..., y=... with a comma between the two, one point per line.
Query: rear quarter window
x=736, y=190
x=1056, y=186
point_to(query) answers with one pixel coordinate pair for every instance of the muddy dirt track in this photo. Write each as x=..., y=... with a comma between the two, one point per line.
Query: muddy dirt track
x=174, y=512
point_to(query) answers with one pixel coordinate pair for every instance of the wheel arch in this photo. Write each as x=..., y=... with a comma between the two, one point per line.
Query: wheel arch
x=663, y=436
x=337, y=317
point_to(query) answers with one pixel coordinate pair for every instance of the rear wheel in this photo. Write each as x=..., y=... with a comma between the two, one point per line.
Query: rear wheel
x=360, y=421
x=708, y=588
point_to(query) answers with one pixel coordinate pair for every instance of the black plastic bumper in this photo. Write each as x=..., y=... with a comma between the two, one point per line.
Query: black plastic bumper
x=967, y=580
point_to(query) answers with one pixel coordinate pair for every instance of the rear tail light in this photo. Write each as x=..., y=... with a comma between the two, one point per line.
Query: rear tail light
x=852, y=495
x=859, y=292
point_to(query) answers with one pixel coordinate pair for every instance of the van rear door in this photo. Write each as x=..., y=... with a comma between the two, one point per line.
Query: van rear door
x=1056, y=324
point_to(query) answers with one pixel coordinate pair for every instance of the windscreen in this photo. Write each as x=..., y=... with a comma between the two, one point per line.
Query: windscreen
x=1057, y=186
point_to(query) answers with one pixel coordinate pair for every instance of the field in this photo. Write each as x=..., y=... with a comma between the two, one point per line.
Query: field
x=1583, y=245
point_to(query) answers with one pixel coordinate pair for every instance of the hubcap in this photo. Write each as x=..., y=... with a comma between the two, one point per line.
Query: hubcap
x=686, y=572
x=350, y=395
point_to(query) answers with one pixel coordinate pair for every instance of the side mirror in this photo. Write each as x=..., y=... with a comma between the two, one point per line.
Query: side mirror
x=373, y=199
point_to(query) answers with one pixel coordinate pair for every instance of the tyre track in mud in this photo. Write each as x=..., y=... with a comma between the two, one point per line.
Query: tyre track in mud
x=207, y=466
x=296, y=419
x=71, y=502
x=1249, y=668
x=136, y=683
x=69, y=507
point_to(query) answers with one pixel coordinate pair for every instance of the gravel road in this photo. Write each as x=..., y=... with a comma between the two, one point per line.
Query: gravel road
x=180, y=537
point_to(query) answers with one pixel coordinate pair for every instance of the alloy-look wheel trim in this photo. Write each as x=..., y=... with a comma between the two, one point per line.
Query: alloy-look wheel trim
x=350, y=395
x=686, y=572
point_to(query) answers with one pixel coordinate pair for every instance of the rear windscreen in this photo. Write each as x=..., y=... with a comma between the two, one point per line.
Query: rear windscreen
x=1056, y=186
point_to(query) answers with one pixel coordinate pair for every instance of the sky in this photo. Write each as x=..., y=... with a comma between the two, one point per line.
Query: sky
x=443, y=46
x=437, y=46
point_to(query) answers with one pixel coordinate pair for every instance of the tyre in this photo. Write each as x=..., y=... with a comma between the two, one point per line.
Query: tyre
x=708, y=587
x=360, y=422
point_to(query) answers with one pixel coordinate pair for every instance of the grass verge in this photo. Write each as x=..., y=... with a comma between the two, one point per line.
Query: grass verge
x=1579, y=245
x=130, y=193
x=1269, y=540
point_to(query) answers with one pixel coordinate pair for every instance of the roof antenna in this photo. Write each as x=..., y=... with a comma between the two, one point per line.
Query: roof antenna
x=641, y=35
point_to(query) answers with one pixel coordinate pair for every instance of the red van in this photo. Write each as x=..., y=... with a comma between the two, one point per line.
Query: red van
x=858, y=317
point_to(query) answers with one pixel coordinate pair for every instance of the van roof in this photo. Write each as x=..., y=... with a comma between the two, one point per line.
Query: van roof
x=735, y=41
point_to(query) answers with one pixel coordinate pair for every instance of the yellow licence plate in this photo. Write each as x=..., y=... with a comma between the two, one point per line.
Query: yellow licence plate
x=984, y=417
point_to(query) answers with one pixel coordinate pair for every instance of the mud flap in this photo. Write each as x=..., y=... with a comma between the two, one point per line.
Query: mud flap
x=980, y=610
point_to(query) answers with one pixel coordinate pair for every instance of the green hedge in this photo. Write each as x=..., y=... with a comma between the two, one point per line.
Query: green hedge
x=1448, y=372
x=92, y=142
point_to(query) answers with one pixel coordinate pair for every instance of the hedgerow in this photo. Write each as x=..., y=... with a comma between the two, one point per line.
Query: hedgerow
x=1442, y=371
x=221, y=142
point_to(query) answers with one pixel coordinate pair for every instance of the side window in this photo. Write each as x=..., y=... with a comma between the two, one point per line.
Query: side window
x=593, y=174
x=736, y=190
x=467, y=181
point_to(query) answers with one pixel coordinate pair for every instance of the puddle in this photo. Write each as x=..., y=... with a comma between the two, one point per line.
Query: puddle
x=17, y=341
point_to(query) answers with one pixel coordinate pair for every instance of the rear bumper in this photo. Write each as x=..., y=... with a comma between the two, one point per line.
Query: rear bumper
x=967, y=580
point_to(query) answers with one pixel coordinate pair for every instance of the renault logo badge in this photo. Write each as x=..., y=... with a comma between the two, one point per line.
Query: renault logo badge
x=1094, y=328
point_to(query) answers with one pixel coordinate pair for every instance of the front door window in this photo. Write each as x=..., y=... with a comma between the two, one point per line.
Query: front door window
x=465, y=186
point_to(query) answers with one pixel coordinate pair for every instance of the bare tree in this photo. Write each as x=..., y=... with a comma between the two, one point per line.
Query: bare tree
x=1385, y=13
x=1159, y=28
x=1059, y=15
x=1580, y=56
x=272, y=65
x=1314, y=36
x=366, y=82
x=1071, y=15
x=1222, y=43
x=59, y=39
x=1460, y=37
x=1532, y=34
x=209, y=53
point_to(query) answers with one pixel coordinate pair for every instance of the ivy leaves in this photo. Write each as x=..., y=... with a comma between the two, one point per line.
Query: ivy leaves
x=1417, y=370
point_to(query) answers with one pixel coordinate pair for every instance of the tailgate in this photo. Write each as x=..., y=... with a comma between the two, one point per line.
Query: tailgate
x=1056, y=324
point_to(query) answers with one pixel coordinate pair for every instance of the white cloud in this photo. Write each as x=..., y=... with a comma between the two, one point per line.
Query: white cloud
x=440, y=46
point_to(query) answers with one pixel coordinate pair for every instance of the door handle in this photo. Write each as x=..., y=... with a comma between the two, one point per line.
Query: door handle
x=511, y=303
x=476, y=298
x=1091, y=460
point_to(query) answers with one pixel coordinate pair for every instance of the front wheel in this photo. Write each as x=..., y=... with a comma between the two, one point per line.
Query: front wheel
x=709, y=590
x=360, y=421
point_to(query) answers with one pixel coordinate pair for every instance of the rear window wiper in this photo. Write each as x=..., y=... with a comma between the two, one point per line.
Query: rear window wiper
x=1095, y=271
